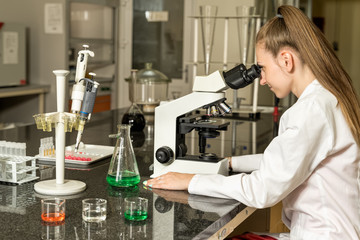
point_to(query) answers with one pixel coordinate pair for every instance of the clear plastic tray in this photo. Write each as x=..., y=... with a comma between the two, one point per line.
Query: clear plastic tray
x=86, y=155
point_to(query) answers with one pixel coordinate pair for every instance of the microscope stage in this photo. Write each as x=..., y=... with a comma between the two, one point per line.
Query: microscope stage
x=205, y=157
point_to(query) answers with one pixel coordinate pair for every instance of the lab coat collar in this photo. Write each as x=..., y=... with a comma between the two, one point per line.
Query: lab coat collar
x=316, y=86
x=310, y=88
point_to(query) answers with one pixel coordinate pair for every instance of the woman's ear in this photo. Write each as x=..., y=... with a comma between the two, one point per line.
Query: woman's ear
x=286, y=60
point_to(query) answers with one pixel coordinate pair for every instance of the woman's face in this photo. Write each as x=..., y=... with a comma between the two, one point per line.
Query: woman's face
x=272, y=74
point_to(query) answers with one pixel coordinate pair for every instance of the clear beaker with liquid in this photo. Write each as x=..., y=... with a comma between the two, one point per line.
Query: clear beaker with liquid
x=123, y=169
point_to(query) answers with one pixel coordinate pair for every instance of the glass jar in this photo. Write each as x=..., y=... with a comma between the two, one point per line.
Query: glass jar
x=151, y=88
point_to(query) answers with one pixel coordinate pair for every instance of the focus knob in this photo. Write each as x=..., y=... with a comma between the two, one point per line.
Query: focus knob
x=164, y=154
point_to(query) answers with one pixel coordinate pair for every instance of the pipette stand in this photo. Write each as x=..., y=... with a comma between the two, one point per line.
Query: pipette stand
x=60, y=186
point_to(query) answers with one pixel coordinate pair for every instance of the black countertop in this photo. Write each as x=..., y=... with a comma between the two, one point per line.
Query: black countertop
x=172, y=214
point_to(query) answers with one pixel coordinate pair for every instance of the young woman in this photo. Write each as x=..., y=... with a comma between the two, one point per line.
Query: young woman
x=312, y=166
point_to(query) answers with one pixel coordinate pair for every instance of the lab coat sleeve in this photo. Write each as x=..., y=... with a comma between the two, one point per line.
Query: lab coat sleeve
x=305, y=139
x=246, y=163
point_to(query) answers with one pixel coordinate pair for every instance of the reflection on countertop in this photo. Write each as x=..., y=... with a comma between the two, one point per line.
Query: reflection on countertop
x=172, y=214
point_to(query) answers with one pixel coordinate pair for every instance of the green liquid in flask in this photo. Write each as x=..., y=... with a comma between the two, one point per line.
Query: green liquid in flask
x=128, y=179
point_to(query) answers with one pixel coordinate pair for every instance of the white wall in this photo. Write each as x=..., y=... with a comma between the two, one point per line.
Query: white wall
x=342, y=20
x=45, y=52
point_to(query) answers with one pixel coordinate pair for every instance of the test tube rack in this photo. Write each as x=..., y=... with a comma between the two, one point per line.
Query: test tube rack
x=17, y=169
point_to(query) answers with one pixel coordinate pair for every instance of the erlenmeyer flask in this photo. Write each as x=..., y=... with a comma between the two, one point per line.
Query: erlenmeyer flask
x=134, y=116
x=123, y=169
x=208, y=19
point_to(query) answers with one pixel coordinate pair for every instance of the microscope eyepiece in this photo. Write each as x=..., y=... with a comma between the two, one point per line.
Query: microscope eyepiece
x=239, y=76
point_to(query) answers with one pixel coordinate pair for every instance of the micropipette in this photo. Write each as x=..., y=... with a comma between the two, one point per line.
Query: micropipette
x=87, y=106
x=78, y=91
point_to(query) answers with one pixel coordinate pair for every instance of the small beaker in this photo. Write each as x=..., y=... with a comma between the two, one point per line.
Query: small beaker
x=123, y=169
x=53, y=210
x=136, y=208
x=94, y=209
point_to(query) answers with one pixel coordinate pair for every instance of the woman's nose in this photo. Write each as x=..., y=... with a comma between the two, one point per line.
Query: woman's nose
x=262, y=79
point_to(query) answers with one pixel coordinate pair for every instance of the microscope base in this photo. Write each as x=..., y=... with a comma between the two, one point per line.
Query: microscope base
x=195, y=167
x=50, y=187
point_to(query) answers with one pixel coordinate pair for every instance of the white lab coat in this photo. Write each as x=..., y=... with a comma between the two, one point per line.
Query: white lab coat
x=312, y=165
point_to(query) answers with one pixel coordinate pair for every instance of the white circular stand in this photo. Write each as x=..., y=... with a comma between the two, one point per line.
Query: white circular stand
x=60, y=186
x=50, y=187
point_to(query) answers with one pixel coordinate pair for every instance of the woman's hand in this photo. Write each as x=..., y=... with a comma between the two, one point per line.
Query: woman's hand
x=171, y=181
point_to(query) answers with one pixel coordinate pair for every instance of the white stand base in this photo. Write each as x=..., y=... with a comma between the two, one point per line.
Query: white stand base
x=194, y=167
x=50, y=187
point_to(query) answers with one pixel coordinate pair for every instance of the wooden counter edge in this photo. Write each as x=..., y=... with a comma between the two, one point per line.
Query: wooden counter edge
x=231, y=225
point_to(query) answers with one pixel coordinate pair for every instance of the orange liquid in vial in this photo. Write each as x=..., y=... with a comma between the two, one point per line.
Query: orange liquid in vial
x=53, y=217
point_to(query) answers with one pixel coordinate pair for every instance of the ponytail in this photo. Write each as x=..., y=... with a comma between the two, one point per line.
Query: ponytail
x=291, y=28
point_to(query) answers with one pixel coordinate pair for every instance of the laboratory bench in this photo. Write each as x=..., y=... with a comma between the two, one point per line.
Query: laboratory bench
x=171, y=214
x=23, y=90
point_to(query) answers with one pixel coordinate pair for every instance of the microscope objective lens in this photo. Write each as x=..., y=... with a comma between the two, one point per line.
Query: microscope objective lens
x=225, y=107
x=208, y=111
x=221, y=111
x=214, y=111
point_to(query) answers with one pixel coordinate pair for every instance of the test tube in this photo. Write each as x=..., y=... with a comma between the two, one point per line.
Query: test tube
x=48, y=146
x=9, y=148
x=52, y=146
x=15, y=148
x=2, y=147
x=41, y=151
x=23, y=149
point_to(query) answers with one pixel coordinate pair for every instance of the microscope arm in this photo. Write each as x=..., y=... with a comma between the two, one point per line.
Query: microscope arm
x=212, y=83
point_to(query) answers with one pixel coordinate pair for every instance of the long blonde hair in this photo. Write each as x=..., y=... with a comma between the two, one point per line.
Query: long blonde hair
x=291, y=28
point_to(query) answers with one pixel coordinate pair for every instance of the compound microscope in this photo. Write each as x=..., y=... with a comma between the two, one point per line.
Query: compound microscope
x=174, y=119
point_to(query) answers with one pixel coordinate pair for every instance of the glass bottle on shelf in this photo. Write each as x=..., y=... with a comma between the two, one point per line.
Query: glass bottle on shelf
x=123, y=170
x=134, y=116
